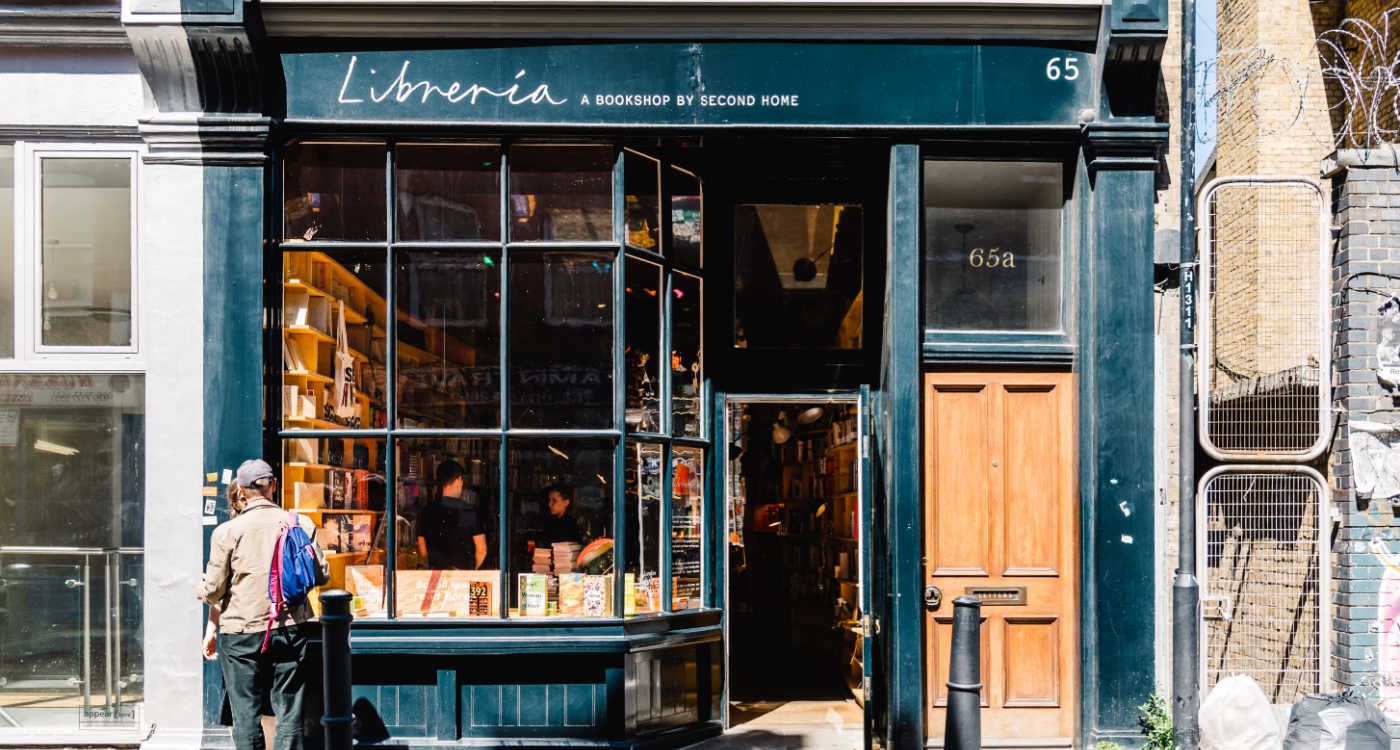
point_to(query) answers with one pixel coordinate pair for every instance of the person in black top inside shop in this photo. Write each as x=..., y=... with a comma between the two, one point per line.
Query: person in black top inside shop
x=450, y=536
x=559, y=524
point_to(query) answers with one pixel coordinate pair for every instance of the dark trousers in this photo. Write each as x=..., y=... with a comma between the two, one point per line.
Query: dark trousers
x=254, y=678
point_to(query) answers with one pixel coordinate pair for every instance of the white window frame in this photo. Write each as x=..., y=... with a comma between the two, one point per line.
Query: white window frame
x=31, y=355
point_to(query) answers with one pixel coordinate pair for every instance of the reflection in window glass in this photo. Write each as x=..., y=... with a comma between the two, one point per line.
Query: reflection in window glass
x=86, y=292
x=797, y=276
x=687, y=503
x=334, y=191
x=338, y=483
x=447, y=495
x=642, y=180
x=73, y=480
x=7, y=251
x=642, y=579
x=448, y=192
x=330, y=380
x=448, y=364
x=992, y=256
x=686, y=370
x=561, y=336
x=643, y=316
x=685, y=218
x=561, y=193
x=560, y=500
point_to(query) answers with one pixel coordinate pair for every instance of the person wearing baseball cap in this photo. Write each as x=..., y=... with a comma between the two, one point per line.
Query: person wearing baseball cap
x=262, y=661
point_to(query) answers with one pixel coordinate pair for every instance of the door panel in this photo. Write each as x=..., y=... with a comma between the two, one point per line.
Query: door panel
x=1000, y=513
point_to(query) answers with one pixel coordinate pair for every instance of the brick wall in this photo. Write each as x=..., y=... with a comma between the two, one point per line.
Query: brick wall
x=1367, y=211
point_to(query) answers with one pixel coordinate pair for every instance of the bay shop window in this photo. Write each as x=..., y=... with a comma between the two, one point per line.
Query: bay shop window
x=492, y=380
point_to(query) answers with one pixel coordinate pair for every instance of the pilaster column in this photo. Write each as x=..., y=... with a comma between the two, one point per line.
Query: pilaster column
x=1122, y=159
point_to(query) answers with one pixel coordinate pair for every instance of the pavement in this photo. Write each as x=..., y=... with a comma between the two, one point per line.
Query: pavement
x=790, y=725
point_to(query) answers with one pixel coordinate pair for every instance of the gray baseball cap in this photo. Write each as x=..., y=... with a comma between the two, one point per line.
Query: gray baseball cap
x=254, y=472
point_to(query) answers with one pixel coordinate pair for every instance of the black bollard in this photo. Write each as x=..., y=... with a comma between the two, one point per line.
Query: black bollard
x=962, y=728
x=335, y=669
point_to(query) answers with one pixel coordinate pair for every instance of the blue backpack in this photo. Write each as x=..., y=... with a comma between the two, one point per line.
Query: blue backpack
x=293, y=572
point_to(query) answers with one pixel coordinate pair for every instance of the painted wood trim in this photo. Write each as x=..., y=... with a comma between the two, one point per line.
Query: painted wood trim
x=233, y=341
x=1116, y=446
x=901, y=399
x=1062, y=20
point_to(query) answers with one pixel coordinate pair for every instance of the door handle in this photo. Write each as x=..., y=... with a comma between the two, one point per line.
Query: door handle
x=933, y=597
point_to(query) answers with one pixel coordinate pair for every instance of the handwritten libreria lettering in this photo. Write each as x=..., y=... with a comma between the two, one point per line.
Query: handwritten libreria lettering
x=403, y=87
x=358, y=87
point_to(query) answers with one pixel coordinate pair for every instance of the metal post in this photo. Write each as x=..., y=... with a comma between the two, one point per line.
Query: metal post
x=1185, y=589
x=338, y=721
x=962, y=729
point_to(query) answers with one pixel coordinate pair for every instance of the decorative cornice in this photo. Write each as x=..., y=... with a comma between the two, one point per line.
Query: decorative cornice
x=229, y=140
x=1060, y=20
x=24, y=25
x=1133, y=144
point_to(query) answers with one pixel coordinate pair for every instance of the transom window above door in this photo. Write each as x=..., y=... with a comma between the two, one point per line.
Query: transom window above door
x=993, y=250
x=797, y=276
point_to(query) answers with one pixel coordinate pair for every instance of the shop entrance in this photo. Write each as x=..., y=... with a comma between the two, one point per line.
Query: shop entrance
x=794, y=503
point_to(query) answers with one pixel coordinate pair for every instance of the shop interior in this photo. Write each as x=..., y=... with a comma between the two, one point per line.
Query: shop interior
x=794, y=561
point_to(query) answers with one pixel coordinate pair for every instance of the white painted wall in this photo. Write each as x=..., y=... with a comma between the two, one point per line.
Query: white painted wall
x=172, y=237
x=66, y=86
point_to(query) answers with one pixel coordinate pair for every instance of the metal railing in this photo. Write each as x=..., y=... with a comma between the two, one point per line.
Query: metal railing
x=112, y=562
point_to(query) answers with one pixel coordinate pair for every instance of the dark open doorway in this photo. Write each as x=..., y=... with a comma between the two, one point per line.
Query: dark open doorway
x=794, y=582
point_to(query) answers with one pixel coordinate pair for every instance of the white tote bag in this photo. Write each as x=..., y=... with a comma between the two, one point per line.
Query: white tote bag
x=344, y=398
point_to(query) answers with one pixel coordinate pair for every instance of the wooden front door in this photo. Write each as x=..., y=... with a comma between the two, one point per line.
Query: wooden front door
x=1001, y=516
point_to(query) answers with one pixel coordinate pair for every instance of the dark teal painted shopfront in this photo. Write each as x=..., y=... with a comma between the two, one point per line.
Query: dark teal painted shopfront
x=823, y=120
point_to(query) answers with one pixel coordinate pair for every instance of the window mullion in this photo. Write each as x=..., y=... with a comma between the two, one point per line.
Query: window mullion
x=391, y=511
x=502, y=488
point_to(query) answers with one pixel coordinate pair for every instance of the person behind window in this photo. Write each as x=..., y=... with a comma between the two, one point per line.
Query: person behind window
x=450, y=536
x=559, y=524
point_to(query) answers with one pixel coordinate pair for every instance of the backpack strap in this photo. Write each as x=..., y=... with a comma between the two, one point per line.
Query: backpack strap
x=274, y=582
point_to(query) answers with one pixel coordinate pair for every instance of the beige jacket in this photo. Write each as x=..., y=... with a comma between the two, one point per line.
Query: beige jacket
x=240, y=559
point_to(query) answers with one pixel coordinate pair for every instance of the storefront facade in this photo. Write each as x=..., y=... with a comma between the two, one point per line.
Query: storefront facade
x=539, y=249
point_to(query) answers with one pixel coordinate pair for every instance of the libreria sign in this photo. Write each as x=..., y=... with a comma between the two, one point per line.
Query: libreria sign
x=662, y=84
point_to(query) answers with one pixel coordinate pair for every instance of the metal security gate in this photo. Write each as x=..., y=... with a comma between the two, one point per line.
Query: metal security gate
x=1265, y=371
x=1265, y=570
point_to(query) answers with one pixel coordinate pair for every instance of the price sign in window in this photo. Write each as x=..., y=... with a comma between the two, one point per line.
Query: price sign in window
x=993, y=257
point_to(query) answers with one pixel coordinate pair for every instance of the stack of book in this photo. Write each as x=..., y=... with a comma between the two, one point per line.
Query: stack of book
x=565, y=553
x=541, y=560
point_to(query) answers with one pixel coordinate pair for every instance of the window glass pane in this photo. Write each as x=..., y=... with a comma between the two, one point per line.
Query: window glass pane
x=449, y=338
x=797, y=276
x=687, y=529
x=7, y=251
x=686, y=370
x=992, y=253
x=448, y=500
x=86, y=294
x=561, y=193
x=72, y=476
x=448, y=192
x=338, y=483
x=685, y=218
x=560, y=497
x=643, y=316
x=331, y=381
x=642, y=579
x=561, y=338
x=334, y=191
x=642, y=180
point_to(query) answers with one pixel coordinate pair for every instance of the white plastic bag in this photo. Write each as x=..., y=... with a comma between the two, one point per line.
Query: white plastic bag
x=1237, y=716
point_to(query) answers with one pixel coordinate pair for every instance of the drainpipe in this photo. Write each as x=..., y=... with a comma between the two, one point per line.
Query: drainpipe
x=1186, y=607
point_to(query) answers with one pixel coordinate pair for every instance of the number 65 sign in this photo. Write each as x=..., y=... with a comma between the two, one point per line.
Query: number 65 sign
x=1062, y=67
